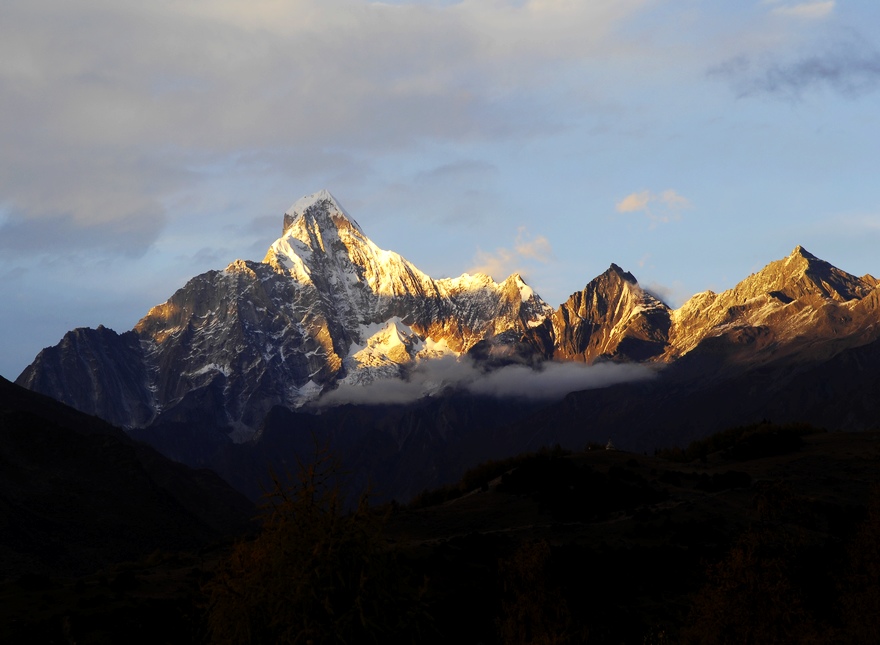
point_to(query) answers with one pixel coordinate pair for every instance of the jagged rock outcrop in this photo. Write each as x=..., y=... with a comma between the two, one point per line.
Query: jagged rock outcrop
x=611, y=318
x=796, y=304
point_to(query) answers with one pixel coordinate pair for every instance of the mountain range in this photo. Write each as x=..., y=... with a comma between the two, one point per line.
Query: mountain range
x=240, y=362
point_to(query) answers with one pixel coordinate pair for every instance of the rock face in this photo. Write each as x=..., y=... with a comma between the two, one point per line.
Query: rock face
x=326, y=305
x=96, y=371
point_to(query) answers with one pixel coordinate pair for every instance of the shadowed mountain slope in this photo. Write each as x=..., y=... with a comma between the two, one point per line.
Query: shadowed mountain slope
x=77, y=493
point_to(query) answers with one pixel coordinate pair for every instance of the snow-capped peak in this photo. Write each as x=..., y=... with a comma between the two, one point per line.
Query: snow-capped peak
x=516, y=280
x=321, y=208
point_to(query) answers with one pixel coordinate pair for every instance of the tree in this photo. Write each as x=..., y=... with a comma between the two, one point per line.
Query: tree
x=754, y=595
x=315, y=574
x=533, y=610
x=860, y=587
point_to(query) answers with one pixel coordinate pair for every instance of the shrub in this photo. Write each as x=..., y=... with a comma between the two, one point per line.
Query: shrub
x=744, y=443
x=480, y=475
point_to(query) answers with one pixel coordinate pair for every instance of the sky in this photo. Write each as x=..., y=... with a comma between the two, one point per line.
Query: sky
x=691, y=142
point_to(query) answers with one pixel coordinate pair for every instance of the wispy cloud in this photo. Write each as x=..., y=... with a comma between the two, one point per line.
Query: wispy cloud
x=850, y=225
x=850, y=67
x=660, y=208
x=504, y=261
x=673, y=295
x=808, y=10
x=537, y=248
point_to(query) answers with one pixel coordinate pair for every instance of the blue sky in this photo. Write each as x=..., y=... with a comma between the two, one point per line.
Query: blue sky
x=691, y=142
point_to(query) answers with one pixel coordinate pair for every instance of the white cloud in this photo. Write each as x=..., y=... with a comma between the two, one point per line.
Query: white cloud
x=634, y=202
x=548, y=382
x=673, y=200
x=503, y=261
x=660, y=208
x=863, y=226
x=555, y=380
x=674, y=296
x=499, y=264
x=537, y=248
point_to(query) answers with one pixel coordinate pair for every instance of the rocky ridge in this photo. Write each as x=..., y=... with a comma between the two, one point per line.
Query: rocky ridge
x=799, y=307
x=326, y=306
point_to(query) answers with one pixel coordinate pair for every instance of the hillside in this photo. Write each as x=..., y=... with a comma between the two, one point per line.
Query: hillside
x=77, y=494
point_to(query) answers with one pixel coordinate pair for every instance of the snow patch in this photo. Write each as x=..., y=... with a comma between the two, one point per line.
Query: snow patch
x=308, y=392
x=212, y=367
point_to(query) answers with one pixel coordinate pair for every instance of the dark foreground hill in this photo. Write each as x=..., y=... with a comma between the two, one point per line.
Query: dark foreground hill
x=77, y=494
x=763, y=534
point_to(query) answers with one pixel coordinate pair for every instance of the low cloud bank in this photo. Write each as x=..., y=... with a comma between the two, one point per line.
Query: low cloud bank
x=551, y=381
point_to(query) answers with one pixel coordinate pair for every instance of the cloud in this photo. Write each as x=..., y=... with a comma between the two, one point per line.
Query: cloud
x=499, y=264
x=537, y=248
x=674, y=296
x=503, y=261
x=660, y=208
x=861, y=227
x=59, y=199
x=130, y=237
x=454, y=173
x=551, y=381
x=125, y=99
x=809, y=10
x=634, y=202
x=555, y=380
x=850, y=67
x=210, y=257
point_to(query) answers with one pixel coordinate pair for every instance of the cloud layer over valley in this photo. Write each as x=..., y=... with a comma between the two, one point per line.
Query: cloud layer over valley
x=551, y=381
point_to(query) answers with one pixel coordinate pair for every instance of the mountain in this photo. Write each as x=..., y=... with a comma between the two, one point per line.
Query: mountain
x=247, y=355
x=325, y=305
x=77, y=494
x=799, y=304
x=612, y=317
x=798, y=341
